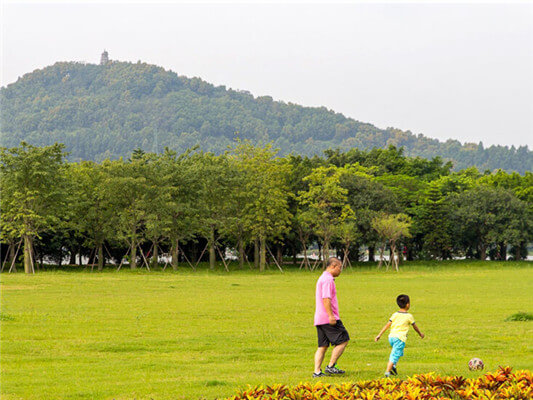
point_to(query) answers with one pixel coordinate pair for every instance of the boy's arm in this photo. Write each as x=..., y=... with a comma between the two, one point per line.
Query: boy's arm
x=415, y=327
x=387, y=326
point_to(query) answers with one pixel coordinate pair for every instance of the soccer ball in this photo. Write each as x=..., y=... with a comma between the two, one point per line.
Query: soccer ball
x=475, y=364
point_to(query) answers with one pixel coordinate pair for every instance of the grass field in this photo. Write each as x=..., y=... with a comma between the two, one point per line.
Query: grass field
x=190, y=335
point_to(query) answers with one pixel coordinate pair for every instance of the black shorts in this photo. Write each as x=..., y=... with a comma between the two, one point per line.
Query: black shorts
x=332, y=334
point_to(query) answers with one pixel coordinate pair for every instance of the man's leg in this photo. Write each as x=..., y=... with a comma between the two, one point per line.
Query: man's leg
x=319, y=357
x=336, y=353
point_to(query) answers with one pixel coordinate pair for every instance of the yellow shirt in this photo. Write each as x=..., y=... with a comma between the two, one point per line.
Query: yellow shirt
x=400, y=325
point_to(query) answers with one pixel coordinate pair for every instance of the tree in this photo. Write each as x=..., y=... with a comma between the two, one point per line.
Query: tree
x=214, y=178
x=34, y=193
x=127, y=187
x=486, y=216
x=265, y=214
x=432, y=224
x=391, y=228
x=93, y=214
x=326, y=202
x=366, y=196
x=348, y=234
x=178, y=192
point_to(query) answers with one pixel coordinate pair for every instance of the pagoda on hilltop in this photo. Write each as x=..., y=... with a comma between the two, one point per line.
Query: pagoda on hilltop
x=104, y=59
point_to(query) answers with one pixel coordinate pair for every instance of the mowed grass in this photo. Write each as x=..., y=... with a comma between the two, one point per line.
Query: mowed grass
x=190, y=335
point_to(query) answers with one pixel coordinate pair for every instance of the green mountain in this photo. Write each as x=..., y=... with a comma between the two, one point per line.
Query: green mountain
x=101, y=111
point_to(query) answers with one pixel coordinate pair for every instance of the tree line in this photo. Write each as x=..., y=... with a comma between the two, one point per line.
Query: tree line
x=106, y=111
x=195, y=205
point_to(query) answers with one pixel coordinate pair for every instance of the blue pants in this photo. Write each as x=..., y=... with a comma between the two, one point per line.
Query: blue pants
x=397, y=349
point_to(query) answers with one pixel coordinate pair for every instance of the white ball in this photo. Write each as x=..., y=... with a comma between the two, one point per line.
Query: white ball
x=476, y=364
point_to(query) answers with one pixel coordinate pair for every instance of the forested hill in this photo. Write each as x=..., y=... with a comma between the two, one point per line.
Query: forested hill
x=106, y=111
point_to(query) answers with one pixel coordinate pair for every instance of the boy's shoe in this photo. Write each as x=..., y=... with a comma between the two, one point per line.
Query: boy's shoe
x=334, y=370
x=387, y=374
x=393, y=370
x=319, y=375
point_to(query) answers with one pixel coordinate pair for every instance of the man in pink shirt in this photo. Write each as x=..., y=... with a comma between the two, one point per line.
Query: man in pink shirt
x=328, y=324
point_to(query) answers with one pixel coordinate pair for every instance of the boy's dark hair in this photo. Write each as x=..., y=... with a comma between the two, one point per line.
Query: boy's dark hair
x=402, y=300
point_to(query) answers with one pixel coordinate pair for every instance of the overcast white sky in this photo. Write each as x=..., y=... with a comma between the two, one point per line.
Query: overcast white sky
x=461, y=71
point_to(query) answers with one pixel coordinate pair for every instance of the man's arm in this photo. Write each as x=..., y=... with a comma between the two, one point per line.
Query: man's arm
x=327, y=305
x=415, y=327
x=387, y=326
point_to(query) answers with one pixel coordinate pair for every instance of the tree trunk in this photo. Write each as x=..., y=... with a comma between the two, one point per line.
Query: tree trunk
x=518, y=255
x=133, y=255
x=503, y=251
x=306, y=261
x=11, y=254
x=241, y=254
x=101, y=260
x=399, y=253
x=371, y=253
x=79, y=256
x=345, y=256
x=256, y=253
x=174, y=250
x=72, y=260
x=262, y=256
x=392, y=256
x=279, y=255
x=27, y=255
x=482, y=252
x=155, y=255
x=212, y=255
x=325, y=253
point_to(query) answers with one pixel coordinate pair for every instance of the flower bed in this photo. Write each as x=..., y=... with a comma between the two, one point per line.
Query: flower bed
x=502, y=384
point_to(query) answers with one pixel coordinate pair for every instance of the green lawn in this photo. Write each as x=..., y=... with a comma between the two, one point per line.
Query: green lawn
x=185, y=335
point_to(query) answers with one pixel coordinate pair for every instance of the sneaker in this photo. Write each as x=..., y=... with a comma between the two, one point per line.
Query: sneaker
x=393, y=370
x=319, y=375
x=387, y=374
x=334, y=370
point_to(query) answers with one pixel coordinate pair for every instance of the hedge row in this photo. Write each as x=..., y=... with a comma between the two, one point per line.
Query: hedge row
x=502, y=384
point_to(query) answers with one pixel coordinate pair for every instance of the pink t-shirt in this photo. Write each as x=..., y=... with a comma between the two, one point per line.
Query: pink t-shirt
x=325, y=288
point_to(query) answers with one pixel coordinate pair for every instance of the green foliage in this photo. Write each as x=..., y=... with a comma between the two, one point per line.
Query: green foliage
x=520, y=316
x=263, y=187
x=433, y=223
x=392, y=227
x=106, y=111
x=34, y=194
x=485, y=215
x=169, y=203
x=325, y=203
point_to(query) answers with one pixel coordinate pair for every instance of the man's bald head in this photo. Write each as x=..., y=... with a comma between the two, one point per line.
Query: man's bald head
x=334, y=266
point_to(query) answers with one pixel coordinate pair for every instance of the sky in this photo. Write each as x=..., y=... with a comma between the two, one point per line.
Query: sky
x=459, y=71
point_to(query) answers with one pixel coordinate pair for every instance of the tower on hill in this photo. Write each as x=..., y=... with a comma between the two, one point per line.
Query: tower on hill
x=104, y=59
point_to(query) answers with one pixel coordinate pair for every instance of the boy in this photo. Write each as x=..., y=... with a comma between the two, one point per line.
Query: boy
x=399, y=323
